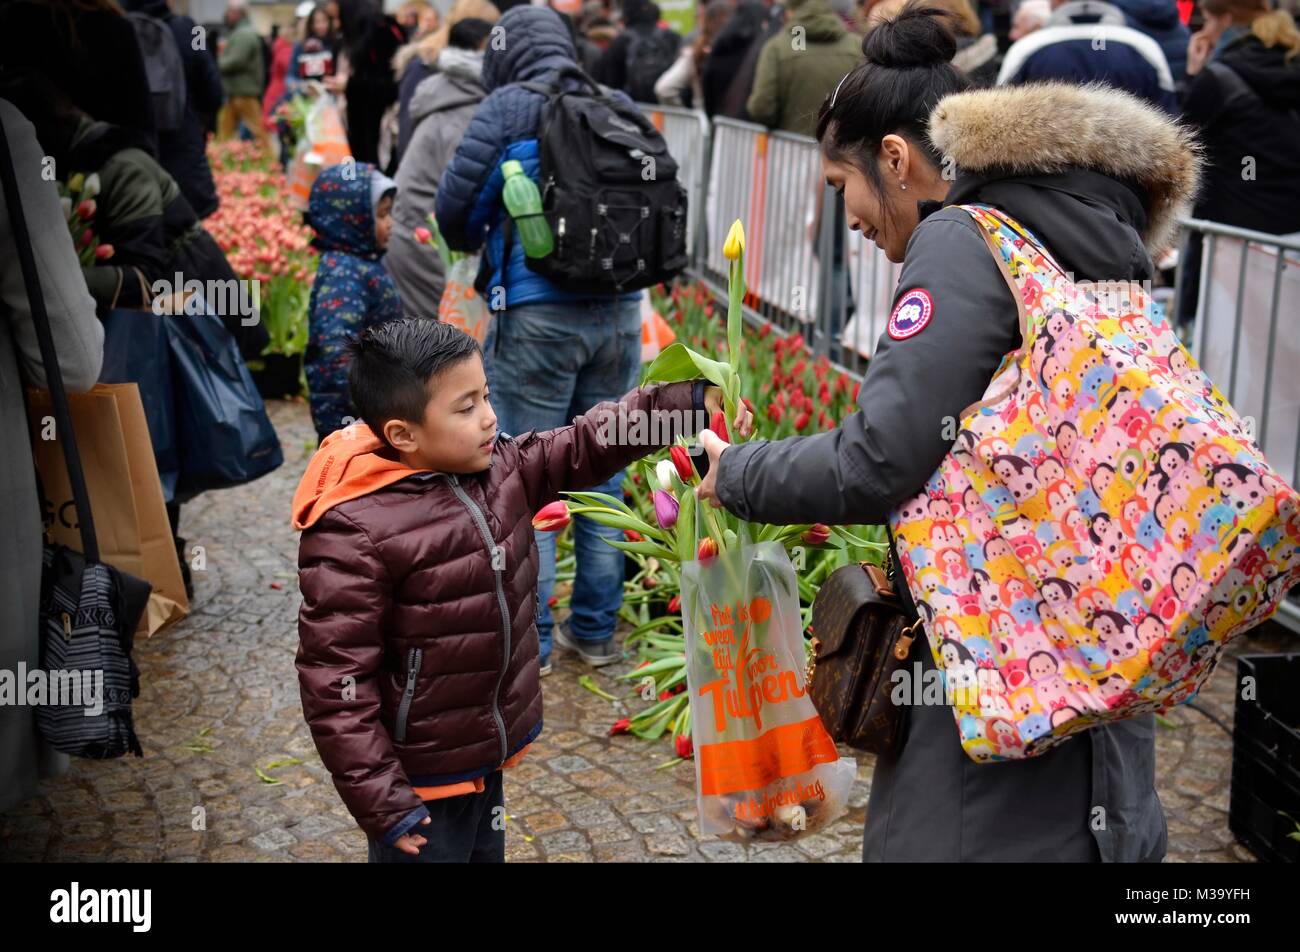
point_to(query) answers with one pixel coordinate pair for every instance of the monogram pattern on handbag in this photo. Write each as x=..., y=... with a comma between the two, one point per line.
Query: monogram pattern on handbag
x=1102, y=526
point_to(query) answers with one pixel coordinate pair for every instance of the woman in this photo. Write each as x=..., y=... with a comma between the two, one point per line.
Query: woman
x=417, y=61
x=440, y=111
x=1101, y=179
x=314, y=55
x=686, y=75
x=79, y=342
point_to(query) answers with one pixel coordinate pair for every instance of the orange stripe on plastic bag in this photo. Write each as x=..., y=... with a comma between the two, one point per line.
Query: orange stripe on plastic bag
x=751, y=764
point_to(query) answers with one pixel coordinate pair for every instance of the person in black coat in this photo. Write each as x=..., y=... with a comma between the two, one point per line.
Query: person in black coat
x=183, y=152
x=729, y=68
x=371, y=39
x=87, y=48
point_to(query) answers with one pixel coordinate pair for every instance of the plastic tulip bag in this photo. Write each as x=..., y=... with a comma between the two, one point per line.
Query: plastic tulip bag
x=324, y=143
x=765, y=766
x=461, y=305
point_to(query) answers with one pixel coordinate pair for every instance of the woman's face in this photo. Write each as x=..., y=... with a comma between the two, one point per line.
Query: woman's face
x=320, y=24
x=888, y=216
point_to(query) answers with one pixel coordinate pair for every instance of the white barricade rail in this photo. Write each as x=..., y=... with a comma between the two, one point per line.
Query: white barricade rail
x=686, y=133
x=1246, y=337
x=873, y=279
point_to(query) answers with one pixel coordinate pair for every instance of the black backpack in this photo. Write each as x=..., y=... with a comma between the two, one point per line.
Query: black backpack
x=609, y=192
x=649, y=55
x=163, y=69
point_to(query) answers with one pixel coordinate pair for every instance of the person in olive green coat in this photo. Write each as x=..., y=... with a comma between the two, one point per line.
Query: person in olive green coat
x=242, y=75
x=800, y=66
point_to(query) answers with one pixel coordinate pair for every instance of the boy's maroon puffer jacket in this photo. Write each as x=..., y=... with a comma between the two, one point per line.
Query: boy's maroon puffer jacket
x=418, y=655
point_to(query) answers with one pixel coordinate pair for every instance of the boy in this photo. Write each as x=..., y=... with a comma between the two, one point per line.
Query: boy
x=350, y=209
x=418, y=660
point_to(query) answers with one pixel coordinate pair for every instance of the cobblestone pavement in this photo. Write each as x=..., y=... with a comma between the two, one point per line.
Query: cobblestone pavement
x=219, y=703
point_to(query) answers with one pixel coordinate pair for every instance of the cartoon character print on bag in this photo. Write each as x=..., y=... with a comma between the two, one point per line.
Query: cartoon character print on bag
x=351, y=291
x=1101, y=527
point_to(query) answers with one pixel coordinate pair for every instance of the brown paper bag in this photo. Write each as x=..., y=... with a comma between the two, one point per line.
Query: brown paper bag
x=126, y=498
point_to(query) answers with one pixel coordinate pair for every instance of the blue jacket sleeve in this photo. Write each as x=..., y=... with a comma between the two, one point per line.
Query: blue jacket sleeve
x=462, y=208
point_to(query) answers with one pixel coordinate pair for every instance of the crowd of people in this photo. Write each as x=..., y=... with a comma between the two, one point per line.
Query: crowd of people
x=1085, y=119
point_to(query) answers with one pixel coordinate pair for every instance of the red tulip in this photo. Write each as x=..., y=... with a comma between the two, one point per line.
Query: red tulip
x=764, y=331
x=665, y=695
x=719, y=426
x=707, y=551
x=423, y=235
x=775, y=413
x=86, y=209
x=553, y=601
x=684, y=746
x=633, y=535
x=103, y=252
x=552, y=517
x=675, y=604
x=682, y=461
x=621, y=726
x=856, y=388
x=801, y=421
x=816, y=535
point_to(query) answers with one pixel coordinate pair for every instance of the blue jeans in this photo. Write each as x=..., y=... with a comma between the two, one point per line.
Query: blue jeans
x=546, y=364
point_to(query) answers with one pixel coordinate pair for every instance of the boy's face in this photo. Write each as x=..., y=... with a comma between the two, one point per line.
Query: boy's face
x=459, y=425
x=383, y=220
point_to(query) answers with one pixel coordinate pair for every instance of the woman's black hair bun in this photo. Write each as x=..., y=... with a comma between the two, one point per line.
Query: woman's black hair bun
x=919, y=36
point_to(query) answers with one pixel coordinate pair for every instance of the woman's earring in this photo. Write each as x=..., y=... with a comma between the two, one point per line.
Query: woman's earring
x=903, y=186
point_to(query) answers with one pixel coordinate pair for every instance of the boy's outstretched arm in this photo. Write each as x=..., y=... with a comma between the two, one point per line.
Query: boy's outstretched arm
x=346, y=591
x=611, y=435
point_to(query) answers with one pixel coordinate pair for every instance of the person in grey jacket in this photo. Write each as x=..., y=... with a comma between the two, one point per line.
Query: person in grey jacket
x=79, y=342
x=1101, y=178
x=441, y=109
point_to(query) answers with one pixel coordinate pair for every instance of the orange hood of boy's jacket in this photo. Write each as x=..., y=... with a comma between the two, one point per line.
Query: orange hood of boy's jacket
x=346, y=466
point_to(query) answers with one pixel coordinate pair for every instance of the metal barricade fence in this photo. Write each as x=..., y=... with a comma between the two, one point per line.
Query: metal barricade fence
x=1245, y=336
x=687, y=134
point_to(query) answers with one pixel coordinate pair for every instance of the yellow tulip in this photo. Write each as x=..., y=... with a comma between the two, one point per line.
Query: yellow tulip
x=735, y=244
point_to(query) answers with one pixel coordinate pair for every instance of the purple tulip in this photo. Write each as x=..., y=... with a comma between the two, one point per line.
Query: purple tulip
x=665, y=509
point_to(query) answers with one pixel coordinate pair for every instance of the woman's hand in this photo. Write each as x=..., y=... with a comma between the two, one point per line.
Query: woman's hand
x=744, y=422
x=714, y=445
x=1199, y=48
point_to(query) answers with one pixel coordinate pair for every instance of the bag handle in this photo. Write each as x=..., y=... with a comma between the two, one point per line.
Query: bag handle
x=50, y=359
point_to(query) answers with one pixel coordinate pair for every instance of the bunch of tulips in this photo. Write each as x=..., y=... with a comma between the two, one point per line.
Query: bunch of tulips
x=662, y=524
x=77, y=196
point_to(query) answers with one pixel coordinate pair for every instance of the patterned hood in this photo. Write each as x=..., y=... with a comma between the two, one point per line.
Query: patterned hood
x=341, y=213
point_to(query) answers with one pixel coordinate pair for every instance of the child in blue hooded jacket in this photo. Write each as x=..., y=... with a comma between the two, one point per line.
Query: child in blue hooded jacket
x=350, y=209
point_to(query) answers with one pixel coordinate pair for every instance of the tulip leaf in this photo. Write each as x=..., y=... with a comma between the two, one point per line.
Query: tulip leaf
x=610, y=517
x=643, y=548
x=679, y=362
x=686, y=527
x=600, y=499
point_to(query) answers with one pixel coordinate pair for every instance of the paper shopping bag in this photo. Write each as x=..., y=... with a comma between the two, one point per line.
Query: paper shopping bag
x=125, y=495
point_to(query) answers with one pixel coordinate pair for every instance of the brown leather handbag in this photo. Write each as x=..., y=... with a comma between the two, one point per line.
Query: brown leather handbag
x=862, y=636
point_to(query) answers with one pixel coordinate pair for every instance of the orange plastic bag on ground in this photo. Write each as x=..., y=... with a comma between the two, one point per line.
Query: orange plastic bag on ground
x=765, y=765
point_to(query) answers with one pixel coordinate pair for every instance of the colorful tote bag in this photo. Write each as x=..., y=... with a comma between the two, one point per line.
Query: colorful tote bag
x=1102, y=526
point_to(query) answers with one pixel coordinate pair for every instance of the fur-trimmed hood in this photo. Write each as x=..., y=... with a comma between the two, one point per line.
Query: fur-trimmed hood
x=1050, y=128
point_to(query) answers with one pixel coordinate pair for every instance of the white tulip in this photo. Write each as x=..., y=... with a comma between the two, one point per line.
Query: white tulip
x=91, y=188
x=665, y=471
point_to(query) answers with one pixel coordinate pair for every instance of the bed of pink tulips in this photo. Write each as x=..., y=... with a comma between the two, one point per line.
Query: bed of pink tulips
x=264, y=239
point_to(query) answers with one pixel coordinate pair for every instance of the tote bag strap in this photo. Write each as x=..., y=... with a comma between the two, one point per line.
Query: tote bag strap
x=50, y=359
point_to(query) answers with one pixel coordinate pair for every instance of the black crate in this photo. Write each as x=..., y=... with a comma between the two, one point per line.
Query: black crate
x=1266, y=757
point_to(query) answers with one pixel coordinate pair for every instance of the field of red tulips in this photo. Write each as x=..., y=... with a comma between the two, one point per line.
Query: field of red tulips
x=264, y=239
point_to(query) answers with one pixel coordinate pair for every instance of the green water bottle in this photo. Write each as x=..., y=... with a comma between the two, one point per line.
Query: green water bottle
x=524, y=203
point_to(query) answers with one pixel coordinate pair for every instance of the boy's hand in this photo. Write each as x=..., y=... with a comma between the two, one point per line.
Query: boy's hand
x=411, y=842
x=744, y=422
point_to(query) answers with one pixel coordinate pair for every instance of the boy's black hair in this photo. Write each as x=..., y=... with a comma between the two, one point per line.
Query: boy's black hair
x=393, y=362
x=468, y=34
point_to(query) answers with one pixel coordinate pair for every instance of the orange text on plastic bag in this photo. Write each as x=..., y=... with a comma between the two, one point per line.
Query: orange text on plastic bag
x=752, y=764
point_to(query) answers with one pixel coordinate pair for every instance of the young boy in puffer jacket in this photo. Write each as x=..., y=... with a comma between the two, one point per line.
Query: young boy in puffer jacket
x=350, y=209
x=418, y=657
